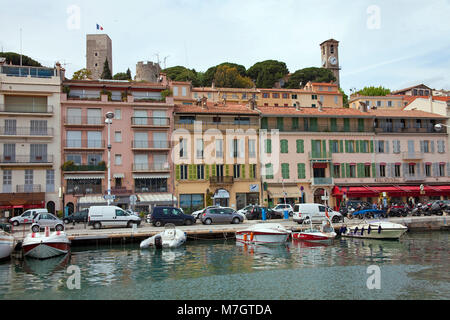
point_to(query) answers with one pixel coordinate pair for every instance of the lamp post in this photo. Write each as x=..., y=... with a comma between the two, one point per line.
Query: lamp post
x=109, y=116
x=438, y=126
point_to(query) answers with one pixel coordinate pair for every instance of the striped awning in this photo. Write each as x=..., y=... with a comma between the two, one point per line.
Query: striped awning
x=119, y=175
x=92, y=199
x=280, y=192
x=83, y=176
x=156, y=197
x=150, y=176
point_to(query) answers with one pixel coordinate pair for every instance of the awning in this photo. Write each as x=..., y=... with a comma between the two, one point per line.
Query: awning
x=119, y=175
x=156, y=197
x=150, y=176
x=280, y=192
x=91, y=200
x=320, y=165
x=395, y=190
x=83, y=176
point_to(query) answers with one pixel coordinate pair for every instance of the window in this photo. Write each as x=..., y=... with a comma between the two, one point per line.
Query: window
x=441, y=146
x=175, y=91
x=199, y=148
x=219, y=170
x=334, y=146
x=191, y=202
x=275, y=95
x=159, y=118
x=118, y=114
x=94, y=139
x=426, y=146
x=94, y=159
x=94, y=116
x=7, y=181
x=186, y=120
x=216, y=120
x=382, y=170
x=183, y=91
x=314, y=97
x=378, y=103
x=252, y=148
x=285, y=170
x=352, y=173
x=10, y=126
x=285, y=96
x=412, y=169
x=364, y=146
x=265, y=95
x=200, y=172
x=183, y=172
x=396, y=146
x=428, y=170
x=294, y=96
x=38, y=152
x=380, y=146
x=28, y=181
x=335, y=99
x=38, y=127
x=183, y=148
x=140, y=140
x=219, y=148
x=441, y=169
x=350, y=146
x=366, y=170
x=73, y=139
x=253, y=171
x=50, y=180
x=118, y=136
x=397, y=171
x=336, y=171
x=236, y=171
x=389, y=103
x=118, y=159
x=284, y=146
x=76, y=158
x=269, y=171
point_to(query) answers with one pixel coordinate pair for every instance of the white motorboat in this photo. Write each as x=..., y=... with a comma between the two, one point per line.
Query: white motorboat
x=45, y=245
x=6, y=245
x=263, y=233
x=374, y=230
x=320, y=233
x=169, y=238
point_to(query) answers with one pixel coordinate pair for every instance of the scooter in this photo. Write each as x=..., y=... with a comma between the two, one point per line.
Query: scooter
x=417, y=210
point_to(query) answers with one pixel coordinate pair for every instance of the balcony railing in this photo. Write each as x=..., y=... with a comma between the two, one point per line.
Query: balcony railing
x=221, y=180
x=26, y=108
x=26, y=131
x=144, y=144
x=84, y=120
x=320, y=155
x=322, y=181
x=84, y=144
x=84, y=189
x=427, y=129
x=416, y=177
x=223, y=125
x=30, y=159
x=319, y=128
x=84, y=96
x=150, y=121
x=412, y=155
x=148, y=167
x=28, y=188
x=85, y=167
x=34, y=72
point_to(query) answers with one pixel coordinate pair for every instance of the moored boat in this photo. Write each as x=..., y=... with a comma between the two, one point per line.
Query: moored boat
x=169, y=238
x=6, y=245
x=45, y=245
x=374, y=230
x=317, y=233
x=263, y=233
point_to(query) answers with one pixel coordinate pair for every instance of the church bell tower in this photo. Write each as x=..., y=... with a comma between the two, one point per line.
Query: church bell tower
x=330, y=57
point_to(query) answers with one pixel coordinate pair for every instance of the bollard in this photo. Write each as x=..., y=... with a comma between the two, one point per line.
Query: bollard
x=263, y=214
x=286, y=215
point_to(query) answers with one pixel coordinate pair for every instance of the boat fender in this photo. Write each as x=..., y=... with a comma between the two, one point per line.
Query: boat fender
x=33, y=235
x=379, y=229
x=362, y=230
x=245, y=237
x=356, y=230
x=158, y=242
x=368, y=230
x=251, y=236
x=344, y=229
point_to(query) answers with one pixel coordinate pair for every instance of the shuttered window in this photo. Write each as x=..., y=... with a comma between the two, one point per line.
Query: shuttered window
x=284, y=146
x=301, y=174
x=300, y=146
x=285, y=170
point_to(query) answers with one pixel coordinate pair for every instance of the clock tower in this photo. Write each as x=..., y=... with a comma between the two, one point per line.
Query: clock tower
x=330, y=57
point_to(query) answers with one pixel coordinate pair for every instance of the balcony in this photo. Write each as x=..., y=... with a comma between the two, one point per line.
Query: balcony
x=84, y=144
x=322, y=181
x=84, y=121
x=416, y=177
x=320, y=156
x=84, y=96
x=32, y=160
x=426, y=129
x=12, y=132
x=151, y=167
x=28, y=188
x=34, y=72
x=83, y=167
x=412, y=155
x=26, y=109
x=288, y=127
x=150, y=145
x=223, y=125
x=143, y=122
x=225, y=180
x=83, y=189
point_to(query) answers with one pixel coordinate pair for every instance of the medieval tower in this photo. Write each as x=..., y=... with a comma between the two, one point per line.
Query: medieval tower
x=98, y=48
x=330, y=57
x=147, y=71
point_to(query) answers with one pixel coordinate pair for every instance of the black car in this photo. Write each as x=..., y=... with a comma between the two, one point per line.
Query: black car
x=162, y=215
x=256, y=213
x=80, y=216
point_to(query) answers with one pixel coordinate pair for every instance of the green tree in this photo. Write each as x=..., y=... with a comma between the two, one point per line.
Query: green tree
x=229, y=77
x=209, y=75
x=180, y=73
x=301, y=77
x=344, y=98
x=374, y=91
x=129, y=74
x=106, y=74
x=14, y=58
x=122, y=76
x=82, y=74
x=266, y=73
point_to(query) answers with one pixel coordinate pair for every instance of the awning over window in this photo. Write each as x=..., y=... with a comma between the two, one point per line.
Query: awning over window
x=92, y=200
x=83, y=176
x=119, y=175
x=279, y=192
x=150, y=176
x=395, y=191
x=156, y=197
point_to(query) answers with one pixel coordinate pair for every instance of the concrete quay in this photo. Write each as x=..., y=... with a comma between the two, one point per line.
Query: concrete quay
x=79, y=235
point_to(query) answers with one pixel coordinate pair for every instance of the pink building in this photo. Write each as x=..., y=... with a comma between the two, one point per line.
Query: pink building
x=140, y=143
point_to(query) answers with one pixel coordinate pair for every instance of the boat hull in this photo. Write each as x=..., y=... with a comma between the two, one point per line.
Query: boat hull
x=261, y=237
x=6, y=247
x=45, y=250
x=384, y=234
x=173, y=241
x=316, y=236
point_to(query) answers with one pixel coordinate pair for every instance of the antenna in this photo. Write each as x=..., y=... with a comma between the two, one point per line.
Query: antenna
x=20, y=46
x=157, y=57
x=165, y=58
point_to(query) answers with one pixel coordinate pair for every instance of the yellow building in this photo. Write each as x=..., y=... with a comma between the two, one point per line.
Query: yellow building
x=389, y=102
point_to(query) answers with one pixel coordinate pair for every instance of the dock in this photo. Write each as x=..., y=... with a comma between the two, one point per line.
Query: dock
x=84, y=235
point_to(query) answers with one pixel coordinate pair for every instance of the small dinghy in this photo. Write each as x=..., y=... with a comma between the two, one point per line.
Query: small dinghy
x=315, y=233
x=169, y=238
x=45, y=245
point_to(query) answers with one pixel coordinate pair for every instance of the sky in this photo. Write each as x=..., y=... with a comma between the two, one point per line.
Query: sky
x=395, y=44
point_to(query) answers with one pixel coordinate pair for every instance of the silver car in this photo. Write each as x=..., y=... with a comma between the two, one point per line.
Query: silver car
x=220, y=215
x=43, y=220
x=26, y=217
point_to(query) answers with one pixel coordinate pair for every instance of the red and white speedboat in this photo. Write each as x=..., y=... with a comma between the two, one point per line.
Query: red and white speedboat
x=263, y=233
x=45, y=245
x=316, y=233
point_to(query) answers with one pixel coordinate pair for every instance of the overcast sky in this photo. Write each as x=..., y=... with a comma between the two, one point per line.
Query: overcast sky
x=390, y=43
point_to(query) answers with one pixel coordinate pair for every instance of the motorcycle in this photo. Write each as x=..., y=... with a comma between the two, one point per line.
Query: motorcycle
x=436, y=208
x=417, y=210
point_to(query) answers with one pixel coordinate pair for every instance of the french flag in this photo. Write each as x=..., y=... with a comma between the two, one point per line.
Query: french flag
x=99, y=27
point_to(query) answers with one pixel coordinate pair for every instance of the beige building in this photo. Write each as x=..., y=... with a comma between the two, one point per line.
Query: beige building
x=30, y=138
x=98, y=48
x=388, y=102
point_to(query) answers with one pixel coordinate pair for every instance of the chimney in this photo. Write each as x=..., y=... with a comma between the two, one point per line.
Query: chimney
x=204, y=102
x=320, y=106
x=362, y=106
x=431, y=104
x=297, y=105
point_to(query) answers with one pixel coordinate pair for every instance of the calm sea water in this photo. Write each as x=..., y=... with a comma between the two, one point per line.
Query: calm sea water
x=416, y=267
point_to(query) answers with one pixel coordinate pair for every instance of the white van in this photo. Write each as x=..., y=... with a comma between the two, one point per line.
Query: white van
x=26, y=217
x=314, y=211
x=111, y=216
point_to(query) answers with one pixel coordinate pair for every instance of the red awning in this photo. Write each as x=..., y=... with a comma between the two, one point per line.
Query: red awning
x=396, y=191
x=320, y=165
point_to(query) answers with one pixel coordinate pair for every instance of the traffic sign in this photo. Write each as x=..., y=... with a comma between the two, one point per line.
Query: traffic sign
x=133, y=199
x=109, y=196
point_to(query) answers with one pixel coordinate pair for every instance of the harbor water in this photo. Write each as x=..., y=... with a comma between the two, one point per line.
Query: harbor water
x=415, y=267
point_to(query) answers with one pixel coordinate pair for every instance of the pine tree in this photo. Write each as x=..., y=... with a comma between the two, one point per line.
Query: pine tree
x=128, y=74
x=106, y=74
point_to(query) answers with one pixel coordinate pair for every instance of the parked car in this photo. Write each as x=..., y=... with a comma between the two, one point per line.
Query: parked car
x=220, y=215
x=246, y=209
x=316, y=212
x=196, y=214
x=79, y=216
x=132, y=212
x=283, y=207
x=162, y=215
x=256, y=213
x=45, y=219
x=26, y=217
x=111, y=216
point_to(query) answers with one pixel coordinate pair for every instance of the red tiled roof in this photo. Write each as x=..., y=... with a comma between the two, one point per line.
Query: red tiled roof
x=404, y=114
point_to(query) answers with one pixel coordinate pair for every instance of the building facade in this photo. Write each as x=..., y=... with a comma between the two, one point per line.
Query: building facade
x=30, y=138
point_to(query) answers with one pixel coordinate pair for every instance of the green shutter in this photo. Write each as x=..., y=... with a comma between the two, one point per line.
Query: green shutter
x=341, y=146
x=207, y=166
x=343, y=170
x=295, y=123
x=301, y=171
x=213, y=170
x=324, y=148
x=357, y=143
x=333, y=124
x=346, y=146
x=360, y=125
x=371, y=146
x=347, y=170
x=177, y=172
x=243, y=171
x=374, y=170
x=284, y=146
x=346, y=124
x=264, y=123
x=285, y=170
x=190, y=172
x=330, y=146
x=269, y=171
x=300, y=146
x=227, y=170
x=280, y=124
x=360, y=170
x=268, y=146
x=313, y=122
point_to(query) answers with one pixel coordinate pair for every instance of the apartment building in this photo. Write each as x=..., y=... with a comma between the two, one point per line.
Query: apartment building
x=30, y=138
x=139, y=139
x=389, y=102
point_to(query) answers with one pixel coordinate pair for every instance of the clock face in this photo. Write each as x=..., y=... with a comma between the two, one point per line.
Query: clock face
x=333, y=60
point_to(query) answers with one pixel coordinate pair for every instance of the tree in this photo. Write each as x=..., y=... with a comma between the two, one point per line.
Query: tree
x=180, y=73
x=82, y=74
x=374, y=91
x=14, y=58
x=209, y=75
x=122, y=76
x=266, y=73
x=106, y=74
x=229, y=77
x=301, y=77
x=344, y=98
x=129, y=74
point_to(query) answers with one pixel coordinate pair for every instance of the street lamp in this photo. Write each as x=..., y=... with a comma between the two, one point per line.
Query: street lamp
x=109, y=116
x=438, y=126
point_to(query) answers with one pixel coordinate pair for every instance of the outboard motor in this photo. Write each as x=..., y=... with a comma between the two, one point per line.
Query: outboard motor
x=158, y=242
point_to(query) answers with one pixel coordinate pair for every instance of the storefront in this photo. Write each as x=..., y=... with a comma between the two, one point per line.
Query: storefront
x=244, y=199
x=15, y=204
x=289, y=194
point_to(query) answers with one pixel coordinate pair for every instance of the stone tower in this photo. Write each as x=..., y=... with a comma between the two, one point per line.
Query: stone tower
x=330, y=57
x=98, y=48
x=147, y=72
